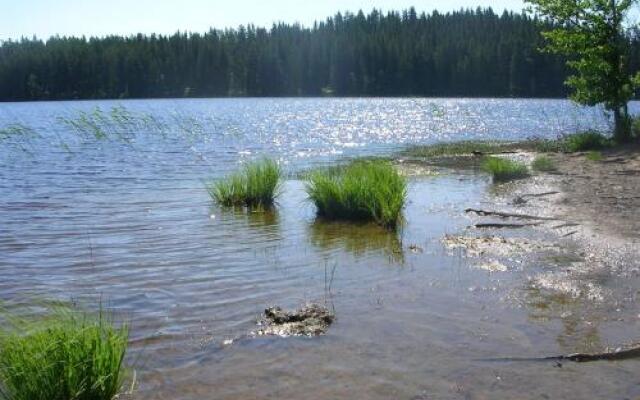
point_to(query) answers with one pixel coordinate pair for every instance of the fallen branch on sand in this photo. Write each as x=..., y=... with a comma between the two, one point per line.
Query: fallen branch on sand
x=567, y=225
x=503, y=226
x=539, y=194
x=485, y=213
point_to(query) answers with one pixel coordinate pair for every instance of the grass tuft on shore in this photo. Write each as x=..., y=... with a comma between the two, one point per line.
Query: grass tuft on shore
x=586, y=141
x=65, y=356
x=256, y=185
x=543, y=164
x=503, y=169
x=360, y=191
x=594, y=156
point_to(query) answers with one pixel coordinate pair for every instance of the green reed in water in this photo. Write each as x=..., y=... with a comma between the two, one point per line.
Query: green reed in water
x=67, y=355
x=504, y=169
x=257, y=184
x=360, y=191
x=116, y=123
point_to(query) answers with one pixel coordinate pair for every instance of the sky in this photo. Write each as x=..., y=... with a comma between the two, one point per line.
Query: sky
x=45, y=18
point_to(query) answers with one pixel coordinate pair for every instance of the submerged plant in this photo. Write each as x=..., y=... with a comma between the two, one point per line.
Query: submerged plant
x=66, y=356
x=543, y=164
x=504, y=169
x=256, y=185
x=360, y=191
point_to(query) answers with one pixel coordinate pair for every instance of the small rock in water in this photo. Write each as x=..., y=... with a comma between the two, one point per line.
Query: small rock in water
x=493, y=266
x=519, y=201
x=310, y=320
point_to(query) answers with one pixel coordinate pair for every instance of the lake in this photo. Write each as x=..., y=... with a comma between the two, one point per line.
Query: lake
x=106, y=200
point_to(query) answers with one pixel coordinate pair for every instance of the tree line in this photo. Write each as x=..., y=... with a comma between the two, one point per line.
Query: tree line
x=466, y=53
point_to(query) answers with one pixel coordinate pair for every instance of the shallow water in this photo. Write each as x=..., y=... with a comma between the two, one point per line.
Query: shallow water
x=126, y=218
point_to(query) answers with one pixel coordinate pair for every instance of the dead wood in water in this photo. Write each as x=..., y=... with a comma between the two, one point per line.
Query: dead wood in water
x=485, y=213
x=618, y=355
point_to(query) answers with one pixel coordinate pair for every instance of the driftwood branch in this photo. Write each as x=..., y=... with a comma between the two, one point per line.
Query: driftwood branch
x=486, y=213
x=503, y=226
x=539, y=194
x=567, y=225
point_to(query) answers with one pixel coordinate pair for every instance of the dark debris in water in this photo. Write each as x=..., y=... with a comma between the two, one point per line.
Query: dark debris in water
x=310, y=320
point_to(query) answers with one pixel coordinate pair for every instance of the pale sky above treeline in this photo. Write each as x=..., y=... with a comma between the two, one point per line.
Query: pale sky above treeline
x=45, y=18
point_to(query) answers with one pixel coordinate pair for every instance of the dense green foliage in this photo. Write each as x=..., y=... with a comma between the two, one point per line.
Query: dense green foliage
x=466, y=53
x=67, y=356
x=544, y=164
x=360, y=191
x=504, y=169
x=593, y=35
x=256, y=185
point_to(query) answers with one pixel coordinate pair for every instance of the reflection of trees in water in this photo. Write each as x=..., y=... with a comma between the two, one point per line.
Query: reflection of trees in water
x=579, y=316
x=358, y=239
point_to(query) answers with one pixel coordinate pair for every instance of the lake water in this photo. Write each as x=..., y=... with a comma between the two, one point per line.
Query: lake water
x=107, y=200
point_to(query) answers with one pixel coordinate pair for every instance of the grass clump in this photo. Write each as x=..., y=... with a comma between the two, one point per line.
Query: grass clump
x=594, y=156
x=256, y=185
x=586, y=141
x=66, y=356
x=360, y=191
x=504, y=170
x=543, y=164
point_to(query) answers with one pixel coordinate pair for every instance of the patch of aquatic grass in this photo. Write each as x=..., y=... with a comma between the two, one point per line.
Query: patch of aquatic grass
x=460, y=148
x=503, y=169
x=68, y=355
x=543, y=164
x=594, y=156
x=586, y=141
x=257, y=184
x=570, y=143
x=360, y=191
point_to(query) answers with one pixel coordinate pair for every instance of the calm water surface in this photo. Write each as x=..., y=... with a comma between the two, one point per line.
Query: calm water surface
x=126, y=217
